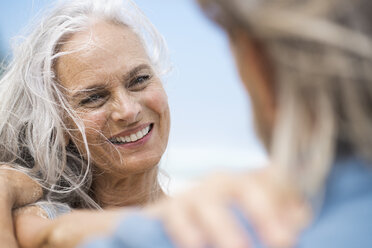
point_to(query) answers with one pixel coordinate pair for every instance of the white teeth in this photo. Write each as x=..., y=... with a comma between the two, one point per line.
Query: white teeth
x=146, y=130
x=133, y=137
x=139, y=135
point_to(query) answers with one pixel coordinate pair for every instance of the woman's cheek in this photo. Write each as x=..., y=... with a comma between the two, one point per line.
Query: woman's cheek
x=157, y=100
x=94, y=121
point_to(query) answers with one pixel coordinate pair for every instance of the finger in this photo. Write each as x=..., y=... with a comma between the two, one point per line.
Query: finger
x=298, y=214
x=220, y=225
x=269, y=211
x=260, y=209
x=181, y=228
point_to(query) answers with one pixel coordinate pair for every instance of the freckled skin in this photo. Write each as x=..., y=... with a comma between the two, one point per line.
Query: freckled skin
x=107, y=53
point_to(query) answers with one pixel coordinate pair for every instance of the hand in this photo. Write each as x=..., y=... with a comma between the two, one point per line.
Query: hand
x=204, y=216
x=17, y=190
x=34, y=230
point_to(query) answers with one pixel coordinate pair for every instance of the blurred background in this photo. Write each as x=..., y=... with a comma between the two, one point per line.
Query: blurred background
x=212, y=126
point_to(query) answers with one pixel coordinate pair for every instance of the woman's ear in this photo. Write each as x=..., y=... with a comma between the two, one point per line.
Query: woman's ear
x=257, y=77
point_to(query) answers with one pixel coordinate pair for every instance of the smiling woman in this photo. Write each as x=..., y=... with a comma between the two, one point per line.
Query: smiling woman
x=119, y=100
x=84, y=113
x=117, y=95
x=83, y=108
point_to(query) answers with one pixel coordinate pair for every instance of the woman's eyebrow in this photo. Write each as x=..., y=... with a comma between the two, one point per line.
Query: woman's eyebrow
x=99, y=86
x=89, y=89
x=133, y=72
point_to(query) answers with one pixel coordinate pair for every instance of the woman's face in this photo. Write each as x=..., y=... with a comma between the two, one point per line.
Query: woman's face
x=121, y=102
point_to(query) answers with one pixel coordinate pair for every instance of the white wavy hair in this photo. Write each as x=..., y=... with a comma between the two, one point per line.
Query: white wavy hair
x=34, y=109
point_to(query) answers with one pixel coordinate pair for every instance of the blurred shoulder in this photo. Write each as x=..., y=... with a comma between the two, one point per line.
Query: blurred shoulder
x=345, y=217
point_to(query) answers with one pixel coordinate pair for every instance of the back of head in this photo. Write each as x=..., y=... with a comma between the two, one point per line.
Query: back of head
x=320, y=53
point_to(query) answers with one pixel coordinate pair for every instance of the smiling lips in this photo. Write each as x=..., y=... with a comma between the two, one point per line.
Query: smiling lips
x=133, y=137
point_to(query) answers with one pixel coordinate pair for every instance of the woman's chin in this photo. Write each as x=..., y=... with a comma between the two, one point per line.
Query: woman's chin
x=137, y=165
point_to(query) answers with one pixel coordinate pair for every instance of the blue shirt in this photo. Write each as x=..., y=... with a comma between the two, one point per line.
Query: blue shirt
x=344, y=219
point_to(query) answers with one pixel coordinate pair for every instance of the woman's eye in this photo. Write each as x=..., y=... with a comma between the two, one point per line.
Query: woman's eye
x=142, y=79
x=93, y=99
x=139, y=81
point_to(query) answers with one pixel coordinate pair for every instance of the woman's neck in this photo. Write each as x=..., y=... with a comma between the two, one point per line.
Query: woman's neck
x=134, y=190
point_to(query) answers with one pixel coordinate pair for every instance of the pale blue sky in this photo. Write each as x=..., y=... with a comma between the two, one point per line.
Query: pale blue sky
x=211, y=116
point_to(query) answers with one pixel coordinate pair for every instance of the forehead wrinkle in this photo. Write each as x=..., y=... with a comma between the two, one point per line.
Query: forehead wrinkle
x=99, y=40
x=92, y=57
x=69, y=67
x=72, y=73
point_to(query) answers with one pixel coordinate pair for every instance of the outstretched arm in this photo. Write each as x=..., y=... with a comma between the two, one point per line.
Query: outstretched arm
x=193, y=219
x=34, y=230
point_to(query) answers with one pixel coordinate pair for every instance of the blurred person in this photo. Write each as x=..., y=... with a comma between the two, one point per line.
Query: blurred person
x=306, y=65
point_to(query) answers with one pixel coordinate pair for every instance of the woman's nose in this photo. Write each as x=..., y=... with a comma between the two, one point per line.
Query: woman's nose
x=126, y=109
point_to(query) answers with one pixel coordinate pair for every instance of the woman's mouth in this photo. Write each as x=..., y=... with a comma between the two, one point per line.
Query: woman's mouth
x=132, y=137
